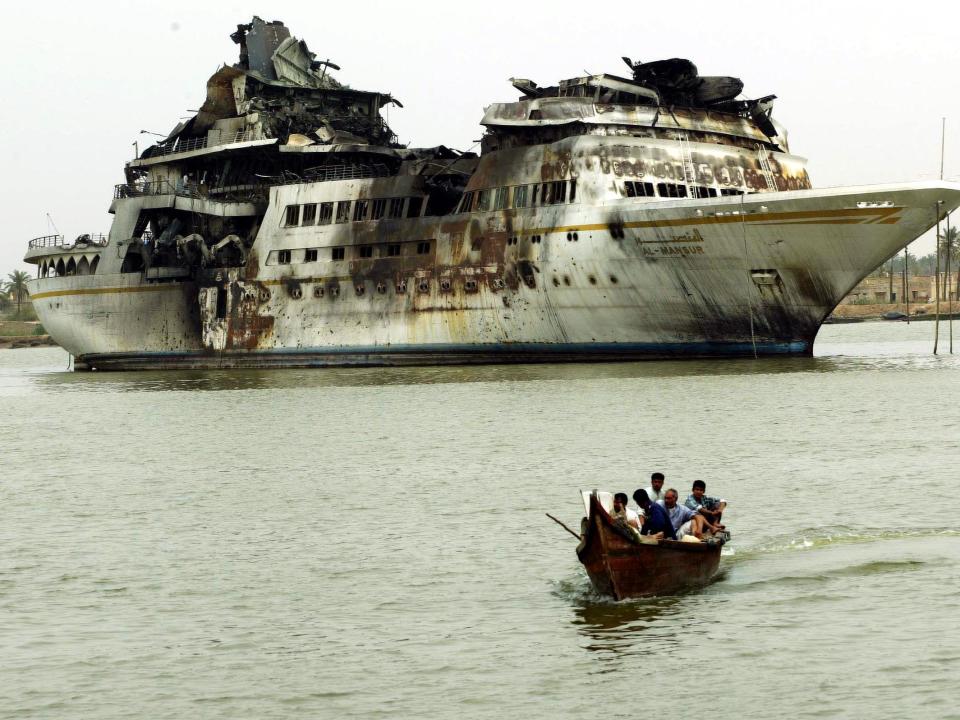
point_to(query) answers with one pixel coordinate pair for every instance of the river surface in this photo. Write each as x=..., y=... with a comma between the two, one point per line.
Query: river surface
x=370, y=543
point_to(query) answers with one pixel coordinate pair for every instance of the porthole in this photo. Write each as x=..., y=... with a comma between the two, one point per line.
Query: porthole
x=613, y=280
x=318, y=291
x=359, y=289
x=423, y=286
x=556, y=282
x=381, y=288
x=566, y=280
x=592, y=279
x=470, y=286
x=402, y=287
x=445, y=285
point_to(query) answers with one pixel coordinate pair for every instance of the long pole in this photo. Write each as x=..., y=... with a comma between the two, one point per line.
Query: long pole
x=936, y=285
x=946, y=283
x=906, y=279
x=577, y=536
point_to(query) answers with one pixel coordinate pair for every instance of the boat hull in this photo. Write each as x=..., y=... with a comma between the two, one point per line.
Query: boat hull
x=622, y=569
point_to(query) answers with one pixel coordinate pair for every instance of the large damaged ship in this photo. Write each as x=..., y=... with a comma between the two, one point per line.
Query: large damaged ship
x=649, y=214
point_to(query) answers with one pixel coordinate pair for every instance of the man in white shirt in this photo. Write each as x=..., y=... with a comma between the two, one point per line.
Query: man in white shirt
x=656, y=492
x=622, y=512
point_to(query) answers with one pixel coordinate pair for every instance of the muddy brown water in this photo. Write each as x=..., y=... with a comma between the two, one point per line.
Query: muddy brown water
x=371, y=543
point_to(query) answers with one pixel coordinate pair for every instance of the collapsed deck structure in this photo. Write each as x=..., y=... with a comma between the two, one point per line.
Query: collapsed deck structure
x=606, y=217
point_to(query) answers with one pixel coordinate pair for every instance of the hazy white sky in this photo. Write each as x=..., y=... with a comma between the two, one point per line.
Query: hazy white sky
x=862, y=86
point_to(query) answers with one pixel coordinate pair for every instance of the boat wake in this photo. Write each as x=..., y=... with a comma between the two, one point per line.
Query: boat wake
x=822, y=537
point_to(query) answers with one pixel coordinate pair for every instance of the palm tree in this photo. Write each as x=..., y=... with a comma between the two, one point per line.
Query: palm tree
x=949, y=245
x=16, y=286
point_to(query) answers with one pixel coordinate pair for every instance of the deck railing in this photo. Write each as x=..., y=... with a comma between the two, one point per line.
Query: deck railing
x=58, y=241
x=212, y=139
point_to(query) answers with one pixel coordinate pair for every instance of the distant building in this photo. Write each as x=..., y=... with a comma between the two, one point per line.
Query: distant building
x=876, y=290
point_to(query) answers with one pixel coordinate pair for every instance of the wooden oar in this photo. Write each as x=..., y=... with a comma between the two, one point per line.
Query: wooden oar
x=576, y=535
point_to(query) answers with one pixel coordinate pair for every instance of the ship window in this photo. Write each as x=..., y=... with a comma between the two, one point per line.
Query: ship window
x=337, y=253
x=638, y=189
x=559, y=191
x=343, y=211
x=378, y=208
x=730, y=191
x=326, y=213
x=414, y=207
x=360, y=208
x=423, y=248
x=310, y=255
x=393, y=249
x=483, y=200
x=672, y=190
x=520, y=196
x=500, y=199
x=283, y=257
x=702, y=191
x=535, y=192
x=309, y=214
x=466, y=202
x=293, y=215
x=396, y=207
x=366, y=251
x=573, y=189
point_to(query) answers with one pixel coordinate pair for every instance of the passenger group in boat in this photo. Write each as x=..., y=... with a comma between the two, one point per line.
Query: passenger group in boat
x=659, y=515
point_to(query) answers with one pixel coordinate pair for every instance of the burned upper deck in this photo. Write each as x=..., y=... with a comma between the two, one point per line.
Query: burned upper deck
x=661, y=99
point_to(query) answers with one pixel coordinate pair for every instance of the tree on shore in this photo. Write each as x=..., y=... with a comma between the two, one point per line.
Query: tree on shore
x=16, y=287
x=949, y=243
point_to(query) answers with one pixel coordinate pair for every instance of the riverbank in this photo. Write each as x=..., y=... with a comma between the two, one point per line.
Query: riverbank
x=12, y=342
x=23, y=333
x=863, y=313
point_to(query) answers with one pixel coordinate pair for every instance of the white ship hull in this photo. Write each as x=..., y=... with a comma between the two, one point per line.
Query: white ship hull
x=736, y=276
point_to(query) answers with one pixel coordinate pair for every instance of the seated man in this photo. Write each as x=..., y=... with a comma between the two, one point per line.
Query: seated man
x=684, y=520
x=711, y=508
x=624, y=513
x=655, y=491
x=657, y=523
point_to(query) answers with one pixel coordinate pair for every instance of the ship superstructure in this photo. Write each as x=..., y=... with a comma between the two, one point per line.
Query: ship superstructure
x=607, y=217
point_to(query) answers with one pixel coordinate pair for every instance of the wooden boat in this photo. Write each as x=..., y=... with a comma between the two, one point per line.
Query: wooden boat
x=622, y=566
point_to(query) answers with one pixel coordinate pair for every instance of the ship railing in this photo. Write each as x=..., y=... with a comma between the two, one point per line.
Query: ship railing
x=155, y=187
x=58, y=241
x=214, y=138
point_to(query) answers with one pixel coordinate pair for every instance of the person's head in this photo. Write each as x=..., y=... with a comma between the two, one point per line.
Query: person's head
x=619, y=501
x=699, y=488
x=642, y=499
x=656, y=481
x=670, y=498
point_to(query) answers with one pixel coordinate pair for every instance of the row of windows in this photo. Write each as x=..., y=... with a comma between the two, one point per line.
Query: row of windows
x=519, y=196
x=285, y=257
x=355, y=210
x=633, y=188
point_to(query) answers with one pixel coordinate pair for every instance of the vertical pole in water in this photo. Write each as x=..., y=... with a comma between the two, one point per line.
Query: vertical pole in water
x=946, y=284
x=936, y=286
x=906, y=280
